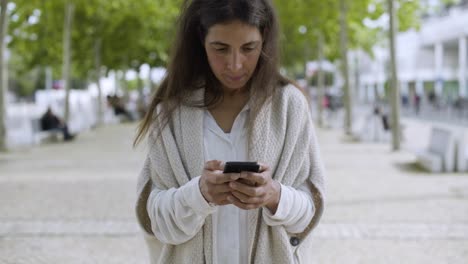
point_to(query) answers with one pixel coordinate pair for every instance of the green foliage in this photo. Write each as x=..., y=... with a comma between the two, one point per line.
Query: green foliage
x=132, y=85
x=409, y=15
x=132, y=33
x=25, y=85
x=323, y=17
x=328, y=80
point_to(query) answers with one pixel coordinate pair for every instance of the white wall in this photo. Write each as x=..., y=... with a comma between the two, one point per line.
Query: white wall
x=83, y=114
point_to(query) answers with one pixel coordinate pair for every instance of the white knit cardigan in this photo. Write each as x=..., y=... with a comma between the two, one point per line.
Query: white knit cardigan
x=282, y=137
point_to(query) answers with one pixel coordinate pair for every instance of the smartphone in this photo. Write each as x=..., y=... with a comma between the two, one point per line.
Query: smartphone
x=238, y=166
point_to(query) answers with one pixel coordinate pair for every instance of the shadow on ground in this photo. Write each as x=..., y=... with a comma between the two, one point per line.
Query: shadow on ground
x=411, y=167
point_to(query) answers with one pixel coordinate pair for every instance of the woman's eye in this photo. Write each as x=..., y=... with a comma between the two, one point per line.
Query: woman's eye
x=248, y=48
x=221, y=49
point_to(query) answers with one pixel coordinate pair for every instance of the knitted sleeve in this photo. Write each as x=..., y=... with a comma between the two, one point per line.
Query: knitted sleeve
x=177, y=214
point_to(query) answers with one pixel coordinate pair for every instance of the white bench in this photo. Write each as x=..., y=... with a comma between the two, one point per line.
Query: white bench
x=370, y=128
x=440, y=155
x=40, y=135
x=462, y=151
x=358, y=129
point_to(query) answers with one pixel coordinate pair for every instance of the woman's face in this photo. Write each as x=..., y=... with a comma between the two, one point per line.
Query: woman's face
x=233, y=50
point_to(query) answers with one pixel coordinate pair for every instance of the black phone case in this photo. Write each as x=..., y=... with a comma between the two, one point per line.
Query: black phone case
x=238, y=166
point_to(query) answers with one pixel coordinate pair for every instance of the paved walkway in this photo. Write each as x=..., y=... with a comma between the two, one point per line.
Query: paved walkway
x=73, y=203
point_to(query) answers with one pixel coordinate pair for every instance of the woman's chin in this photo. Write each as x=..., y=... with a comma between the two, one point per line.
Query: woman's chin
x=233, y=86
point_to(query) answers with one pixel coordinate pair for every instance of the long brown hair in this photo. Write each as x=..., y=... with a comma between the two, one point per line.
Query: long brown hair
x=188, y=69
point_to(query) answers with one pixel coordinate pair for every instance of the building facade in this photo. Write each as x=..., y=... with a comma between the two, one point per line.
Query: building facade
x=431, y=61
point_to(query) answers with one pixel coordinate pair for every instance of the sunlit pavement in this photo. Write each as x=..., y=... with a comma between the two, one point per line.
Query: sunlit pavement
x=381, y=209
x=73, y=203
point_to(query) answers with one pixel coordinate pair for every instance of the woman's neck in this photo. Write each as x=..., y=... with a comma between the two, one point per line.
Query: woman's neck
x=226, y=111
x=235, y=92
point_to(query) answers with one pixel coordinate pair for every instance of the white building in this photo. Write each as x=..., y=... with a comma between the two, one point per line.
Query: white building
x=431, y=59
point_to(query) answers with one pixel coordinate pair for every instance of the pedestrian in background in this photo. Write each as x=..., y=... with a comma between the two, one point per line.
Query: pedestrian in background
x=118, y=106
x=50, y=121
x=417, y=103
x=223, y=99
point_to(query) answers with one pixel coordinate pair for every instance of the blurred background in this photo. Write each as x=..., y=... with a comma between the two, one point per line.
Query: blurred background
x=388, y=87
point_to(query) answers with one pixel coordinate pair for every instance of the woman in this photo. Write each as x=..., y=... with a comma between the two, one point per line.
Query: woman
x=223, y=99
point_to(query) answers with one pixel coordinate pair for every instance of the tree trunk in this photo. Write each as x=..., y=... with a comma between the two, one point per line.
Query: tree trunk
x=140, y=83
x=3, y=74
x=97, y=64
x=320, y=80
x=48, y=78
x=141, y=107
x=150, y=80
x=69, y=8
x=123, y=82
x=345, y=65
x=394, y=85
x=357, y=79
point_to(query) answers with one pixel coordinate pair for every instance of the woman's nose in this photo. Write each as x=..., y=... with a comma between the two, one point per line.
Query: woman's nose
x=235, y=61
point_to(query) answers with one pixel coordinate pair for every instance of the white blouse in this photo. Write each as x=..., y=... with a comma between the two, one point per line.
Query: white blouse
x=230, y=232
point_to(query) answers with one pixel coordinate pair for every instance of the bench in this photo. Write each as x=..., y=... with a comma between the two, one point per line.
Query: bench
x=39, y=135
x=358, y=129
x=371, y=128
x=462, y=152
x=440, y=155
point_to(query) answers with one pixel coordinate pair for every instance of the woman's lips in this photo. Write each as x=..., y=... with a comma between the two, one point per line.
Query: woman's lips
x=235, y=78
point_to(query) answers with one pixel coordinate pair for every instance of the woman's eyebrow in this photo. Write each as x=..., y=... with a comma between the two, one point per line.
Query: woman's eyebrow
x=224, y=44
x=218, y=43
x=251, y=43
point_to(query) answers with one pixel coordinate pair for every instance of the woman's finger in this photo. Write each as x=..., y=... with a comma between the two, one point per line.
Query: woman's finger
x=213, y=165
x=258, y=178
x=242, y=205
x=246, y=199
x=263, y=167
x=221, y=199
x=246, y=189
x=217, y=177
x=220, y=188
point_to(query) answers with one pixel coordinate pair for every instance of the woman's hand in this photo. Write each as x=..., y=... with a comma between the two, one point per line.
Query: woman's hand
x=214, y=184
x=254, y=190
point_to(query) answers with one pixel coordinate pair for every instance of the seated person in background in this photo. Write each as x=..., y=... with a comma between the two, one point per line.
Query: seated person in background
x=49, y=121
x=119, y=108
